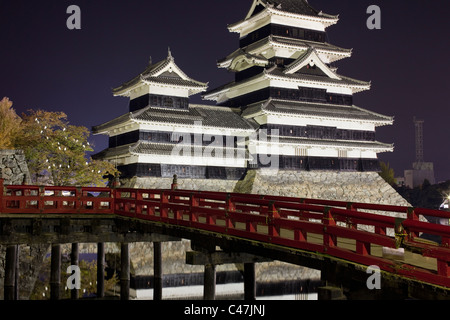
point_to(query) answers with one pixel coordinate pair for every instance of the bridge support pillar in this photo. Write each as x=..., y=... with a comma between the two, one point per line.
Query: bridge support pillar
x=211, y=259
x=125, y=271
x=55, y=274
x=100, y=270
x=74, y=260
x=157, y=271
x=10, y=285
x=209, y=285
x=330, y=293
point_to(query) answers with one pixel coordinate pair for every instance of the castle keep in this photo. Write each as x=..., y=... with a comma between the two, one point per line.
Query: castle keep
x=286, y=125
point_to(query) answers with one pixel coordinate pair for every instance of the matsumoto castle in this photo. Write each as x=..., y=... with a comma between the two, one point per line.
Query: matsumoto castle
x=288, y=109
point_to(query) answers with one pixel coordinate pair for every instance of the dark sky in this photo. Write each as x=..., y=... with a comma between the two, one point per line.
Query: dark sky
x=44, y=65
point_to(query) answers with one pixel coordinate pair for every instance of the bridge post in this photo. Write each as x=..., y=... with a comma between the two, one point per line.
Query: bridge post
x=210, y=259
x=174, y=185
x=330, y=276
x=55, y=273
x=100, y=270
x=125, y=272
x=209, y=285
x=74, y=256
x=209, y=274
x=157, y=271
x=10, y=284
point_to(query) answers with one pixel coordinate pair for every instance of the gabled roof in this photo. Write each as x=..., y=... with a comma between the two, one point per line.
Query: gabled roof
x=243, y=60
x=310, y=58
x=162, y=72
x=339, y=81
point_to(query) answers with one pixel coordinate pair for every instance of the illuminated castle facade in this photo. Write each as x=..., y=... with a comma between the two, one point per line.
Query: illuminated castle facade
x=287, y=109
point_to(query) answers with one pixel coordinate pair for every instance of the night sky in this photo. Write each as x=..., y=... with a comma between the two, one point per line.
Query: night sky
x=44, y=65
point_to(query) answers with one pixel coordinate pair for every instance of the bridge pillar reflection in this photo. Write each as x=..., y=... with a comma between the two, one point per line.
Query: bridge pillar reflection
x=74, y=260
x=55, y=273
x=100, y=270
x=11, y=270
x=125, y=271
x=210, y=259
x=249, y=281
x=157, y=271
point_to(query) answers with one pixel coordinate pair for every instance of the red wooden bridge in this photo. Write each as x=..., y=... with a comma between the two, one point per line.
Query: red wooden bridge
x=355, y=233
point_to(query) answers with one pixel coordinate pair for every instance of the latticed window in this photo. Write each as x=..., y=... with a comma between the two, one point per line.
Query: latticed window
x=342, y=153
x=301, y=152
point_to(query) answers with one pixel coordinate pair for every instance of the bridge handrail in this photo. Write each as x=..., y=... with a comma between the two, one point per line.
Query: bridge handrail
x=270, y=214
x=51, y=199
x=257, y=217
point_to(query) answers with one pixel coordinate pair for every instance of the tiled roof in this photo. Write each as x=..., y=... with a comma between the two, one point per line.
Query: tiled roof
x=341, y=143
x=278, y=72
x=104, y=126
x=221, y=117
x=208, y=116
x=296, y=6
x=112, y=152
x=356, y=85
x=315, y=109
x=168, y=149
x=176, y=82
x=301, y=44
x=316, y=45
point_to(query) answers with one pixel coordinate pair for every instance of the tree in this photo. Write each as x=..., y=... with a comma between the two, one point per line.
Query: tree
x=387, y=173
x=56, y=151
x=9, y=124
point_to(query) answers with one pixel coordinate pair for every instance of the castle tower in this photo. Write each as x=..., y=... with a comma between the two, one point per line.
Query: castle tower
x=287, y=109
x=163, y=134
x=285, y=83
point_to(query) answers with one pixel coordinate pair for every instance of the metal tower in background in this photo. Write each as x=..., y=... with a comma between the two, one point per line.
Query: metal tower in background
x=421, y=170
x=419, y=140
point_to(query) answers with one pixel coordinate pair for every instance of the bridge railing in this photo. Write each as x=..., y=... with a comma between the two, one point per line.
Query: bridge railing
x=326, y=227
x=25, y=199
x=351, y=231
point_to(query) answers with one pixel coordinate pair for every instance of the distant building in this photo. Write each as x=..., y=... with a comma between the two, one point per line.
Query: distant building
x=400, y=181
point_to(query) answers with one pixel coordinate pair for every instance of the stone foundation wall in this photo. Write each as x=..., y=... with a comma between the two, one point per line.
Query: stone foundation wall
x=186, y=184
x=14, y=168
x=367, y=187
x=14, y=171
